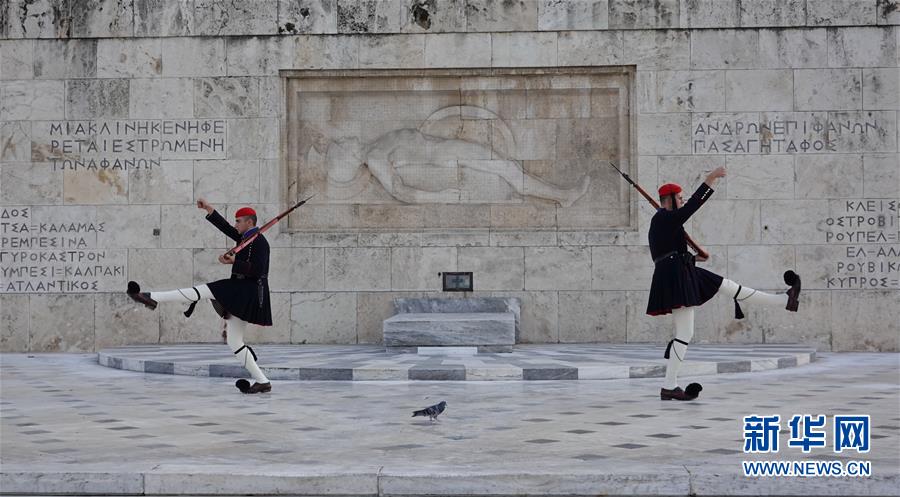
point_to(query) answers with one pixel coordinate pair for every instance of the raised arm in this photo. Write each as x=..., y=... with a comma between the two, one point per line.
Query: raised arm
x=699, y=197
x=218, y=221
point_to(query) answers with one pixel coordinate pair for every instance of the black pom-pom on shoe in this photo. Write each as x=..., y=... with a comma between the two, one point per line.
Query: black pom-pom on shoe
x=793, y=279
x=134, y=291
x=243, y=385
x=693, y=390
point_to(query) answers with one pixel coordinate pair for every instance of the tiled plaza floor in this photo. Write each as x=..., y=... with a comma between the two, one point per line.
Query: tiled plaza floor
x=69, y=425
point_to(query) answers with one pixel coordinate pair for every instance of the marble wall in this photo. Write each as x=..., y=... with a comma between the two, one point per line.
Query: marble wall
x=115, y=115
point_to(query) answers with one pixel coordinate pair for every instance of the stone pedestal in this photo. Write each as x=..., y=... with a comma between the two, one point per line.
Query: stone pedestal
x=486, y=323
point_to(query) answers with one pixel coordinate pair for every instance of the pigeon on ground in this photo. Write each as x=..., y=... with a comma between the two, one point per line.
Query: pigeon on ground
x=432, y=411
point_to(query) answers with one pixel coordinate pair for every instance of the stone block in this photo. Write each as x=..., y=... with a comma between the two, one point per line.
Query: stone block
x=621, y=268
x=760, y=267
x=641, y=327
x=658, y=49
x=161, y=98
x=793, y=48
x=688, y=171
x=494, y=268
x=370, y=16
x=45, y=19
x=207, y=267
x=160, y=269
x=418, y=268
x=887, y=13
x=539, y=321
x=586, y=48
x=644, y=14
x=869, y=46
x=88, y=99
x=226, y=97
x=62, y=323
x=95, y=187
x=372, y=308
x=226, y=18
x=493, y=16
x=434, y=17
x=840, y=13
x=756, y=90
x=119, y=321
x=258, y=55
x=129, y=58
x=554, y=15
x=458, y=50
x=792, y=221
x=170, y=183
x=128, y=226
x=101, y=18
x=817, y=264
x=323, y=318
x=307, y=16
x=292, y=269
x=881, y=89
x=728, y=222
x=16, y=59
x=708, y=14
x=227, y=181
x=523, y=49
x=586, y=317
x=280, y=331
x=687, y=91
x=811, y=325
x=865, y=320
x=475, y=302
x=392, y=51
x=15, y=326
x=357, y=269
x=557, y=268
x=872, y=131
x=523, y=238
x=329, y=52
x=837, y=89
x=760, y=176
x=32, y=100
x=772, y=13
x=724, y=49
x=881, y=176
x=450, y=329
x=271, y=97
x=828, y=176
x=30, y=183
x=535, y=139
x=163, y=18
x=253, y=138
x=664, y=134
x=193, y=57
x=204, y=326
x=15, y=141
x=60, y=59
x=184, y=226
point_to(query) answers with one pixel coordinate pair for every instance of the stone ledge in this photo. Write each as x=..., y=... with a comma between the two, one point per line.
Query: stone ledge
x=525, y=362
x=613, y=478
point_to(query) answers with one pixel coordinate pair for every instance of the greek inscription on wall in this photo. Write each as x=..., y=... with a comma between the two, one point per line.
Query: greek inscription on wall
x=867, y=233
x=38, y=256
x=125, y=144
x=797, y=133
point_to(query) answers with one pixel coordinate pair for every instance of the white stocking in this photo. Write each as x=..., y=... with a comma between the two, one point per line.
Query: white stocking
x=684, y=331
x=751, y=296
x=188, y=295
x=235, y=330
